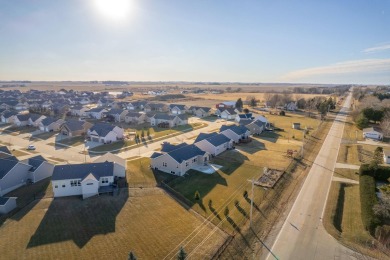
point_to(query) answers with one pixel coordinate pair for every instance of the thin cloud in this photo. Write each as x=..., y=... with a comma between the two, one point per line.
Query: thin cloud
x=347, y=67
x=377, y=48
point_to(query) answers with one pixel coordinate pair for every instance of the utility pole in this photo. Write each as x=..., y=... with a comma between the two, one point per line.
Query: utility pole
x=252, y=197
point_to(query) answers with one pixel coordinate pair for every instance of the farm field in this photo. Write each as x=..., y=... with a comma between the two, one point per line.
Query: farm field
x=147, y=222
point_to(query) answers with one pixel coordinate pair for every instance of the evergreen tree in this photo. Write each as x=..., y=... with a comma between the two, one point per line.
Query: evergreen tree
x=253, y=102
x=182, y=254
x=362, y=121
x=239, y=104
x=197, y=195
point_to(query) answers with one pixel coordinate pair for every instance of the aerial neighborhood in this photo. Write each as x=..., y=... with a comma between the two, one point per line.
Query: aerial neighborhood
x=191, y=147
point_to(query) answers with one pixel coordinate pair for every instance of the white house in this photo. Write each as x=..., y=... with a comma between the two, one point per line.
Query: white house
x=168, y=120
x=118, y=114
x=213, y=143
x=119, y=163
x=372, y=133
x=97, y=113
x=234, y=132
x=40, y=168
x=135, y=117
x=292, y=106
x=13, y=174
x=243, y=116
x=35, y=119
x=386, y=156
x=79, y=111
x=105, y=133
x=82, y=179
x=228, y=113
x=179, y=161
x=256, y=127
x=176, y=109
x=7, y=204
x=21, y=120
x=8, y=116
x=200, y=111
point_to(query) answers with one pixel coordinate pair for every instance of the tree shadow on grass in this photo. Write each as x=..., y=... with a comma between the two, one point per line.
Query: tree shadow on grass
x=78, y=220
x=212, y=209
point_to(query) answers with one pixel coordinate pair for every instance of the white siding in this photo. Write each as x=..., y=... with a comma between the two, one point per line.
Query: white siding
x=89, y=188
x=45, y=170
x=68, y=190
x=14, y=179
x=8, y=206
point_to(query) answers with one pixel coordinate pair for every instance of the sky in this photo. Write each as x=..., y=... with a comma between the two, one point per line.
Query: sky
x=289, y=41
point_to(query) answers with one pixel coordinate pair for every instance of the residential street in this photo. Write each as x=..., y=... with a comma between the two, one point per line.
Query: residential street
x=303, y=235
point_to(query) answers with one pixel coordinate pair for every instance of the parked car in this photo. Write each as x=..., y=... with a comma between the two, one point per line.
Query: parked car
x=31, y=147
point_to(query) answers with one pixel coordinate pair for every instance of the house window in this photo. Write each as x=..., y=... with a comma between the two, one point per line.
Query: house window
x=89, y=183
x=63, y=185
x=79, y=183
x=56, y=186
x=104, y=180
x=164, y=164
x=186, y=164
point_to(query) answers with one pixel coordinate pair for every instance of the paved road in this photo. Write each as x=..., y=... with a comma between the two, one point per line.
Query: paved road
x=302, y=235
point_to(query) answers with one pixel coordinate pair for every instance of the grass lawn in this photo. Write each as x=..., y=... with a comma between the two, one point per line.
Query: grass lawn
x=342, y=218
x=21, y=129
x=226, y=186
x=351, y=132
x=152, y=225
x=348, y=153
x=285, y=123
x=18, y=153
x=347, y=173
x=45, y=136
x=73, y=141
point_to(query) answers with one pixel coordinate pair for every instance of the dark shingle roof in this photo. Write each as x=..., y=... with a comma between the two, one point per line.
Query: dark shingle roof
x=34, y=117
x=36, y=161
x=102, y=129
x=3, y=200
x=245, y=121
x=155, y=155
x=181, y=107
x=80, y=171
x=164, y=117
x=47, y=121
x=23, y=117
x=8, y=114
x=74, y=125
x=114, y=111
x=6, y=164
x=4, y=149
x=96, y=109
x=236, y=129
x=218, y=139
x=186, y=153
x=167, y=147
x=202, y=136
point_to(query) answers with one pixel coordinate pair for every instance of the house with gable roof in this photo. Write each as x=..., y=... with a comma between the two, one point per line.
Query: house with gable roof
x=7, y=204
x=235, y=132
x=82, y=179
x=118, y=114
x=79, y=110
x=256, y=127
x=135, y=117
x=13, y=174
x=40, y=168
x=73, y=128
x=200, y=111
x=35, y=119
x=97, y=112
x=50, y=124
x=213, y=143
x=168, y=120
x=105, y=133
x=21, y=120
x=176, y=109
x=8, y=116
x=179, y=161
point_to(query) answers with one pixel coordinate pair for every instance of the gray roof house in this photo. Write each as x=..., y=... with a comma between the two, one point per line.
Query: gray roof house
x=234, y=132
x=118, y=114
x=51, y=124
x=213, y=143
x=40, y=168
x=256, y=127
x=82, y=179
x=13, y=174
x=105, y=133
x=176, y=109
x=8, y=116
x=73, y=128
x=179, y=161
x=165, y=120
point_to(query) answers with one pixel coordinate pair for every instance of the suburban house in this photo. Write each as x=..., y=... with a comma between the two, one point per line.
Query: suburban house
x=200, y=111
x=105, y=133
x=373, y=133
x=97, y=112
x=50, y=124
x=228, y=113
x=79, y=111
x=176, y=109
x=227, y=104
x=135, y=118
x=256, y=127
x=103, y=102
x=75, y=128
x=7, y=204
x=13, y=174
x=243, y=116
x=235, y=133
x=179, y=161
x=8, y=116
x=119, y=163
x=156, y=107
x=40, y=168
x=292, y=106
x=10, y=104
x=134, y=105
x=82, y=179
x=164, y=120
x=213, y=143
x=21, y=120
x=117, y=114
x=21, y=106
x=386, y=156
x=35, y=119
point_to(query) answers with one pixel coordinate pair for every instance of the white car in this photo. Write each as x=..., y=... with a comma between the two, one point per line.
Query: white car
x=31, y=147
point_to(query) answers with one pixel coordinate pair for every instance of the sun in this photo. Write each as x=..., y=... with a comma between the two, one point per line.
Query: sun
x=113, y=9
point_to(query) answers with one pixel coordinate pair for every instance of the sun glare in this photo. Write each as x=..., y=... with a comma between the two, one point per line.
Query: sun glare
x=113, y=9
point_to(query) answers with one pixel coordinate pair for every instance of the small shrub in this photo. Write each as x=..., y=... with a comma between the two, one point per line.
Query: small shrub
x=282, y=113
x=197, y=195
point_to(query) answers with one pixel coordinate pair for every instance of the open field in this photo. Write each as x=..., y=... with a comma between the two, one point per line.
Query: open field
x=342, y=218
x=147, y=222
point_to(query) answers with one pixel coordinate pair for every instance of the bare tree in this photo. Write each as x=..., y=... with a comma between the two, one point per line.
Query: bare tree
x=369, y=102
x=267, y=97
x=385, y=124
